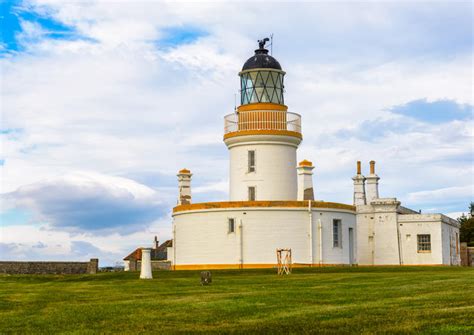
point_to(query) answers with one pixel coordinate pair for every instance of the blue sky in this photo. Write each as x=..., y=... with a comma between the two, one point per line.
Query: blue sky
x=104, y=102
x=14, y=14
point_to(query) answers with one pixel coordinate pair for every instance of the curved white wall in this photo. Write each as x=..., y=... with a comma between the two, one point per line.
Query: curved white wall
x=275, y=161
x=202, y=237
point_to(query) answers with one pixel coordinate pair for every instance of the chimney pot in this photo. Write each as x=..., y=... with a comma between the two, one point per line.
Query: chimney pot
x=372, y=167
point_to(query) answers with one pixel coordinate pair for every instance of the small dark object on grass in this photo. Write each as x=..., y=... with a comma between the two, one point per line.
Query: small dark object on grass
x=206, y=277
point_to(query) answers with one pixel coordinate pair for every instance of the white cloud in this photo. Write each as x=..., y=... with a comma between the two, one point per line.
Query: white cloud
x=440, y=195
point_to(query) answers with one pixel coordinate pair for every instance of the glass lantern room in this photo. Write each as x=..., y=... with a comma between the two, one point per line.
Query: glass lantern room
x=261, y=85
x=261, y=78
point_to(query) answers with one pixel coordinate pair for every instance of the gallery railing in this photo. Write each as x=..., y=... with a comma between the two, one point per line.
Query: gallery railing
x=262, y=120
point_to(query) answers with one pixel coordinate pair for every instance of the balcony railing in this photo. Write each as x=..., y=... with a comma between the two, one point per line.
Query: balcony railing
x=262, y=120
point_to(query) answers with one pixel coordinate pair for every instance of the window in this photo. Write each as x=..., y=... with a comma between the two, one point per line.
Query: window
x=336, y=234
x=251, y=193
x=424, y=243
x=251, y=161
x=231, y=222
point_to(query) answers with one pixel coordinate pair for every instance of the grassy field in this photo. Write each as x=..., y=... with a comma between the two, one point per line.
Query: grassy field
x=431, y=300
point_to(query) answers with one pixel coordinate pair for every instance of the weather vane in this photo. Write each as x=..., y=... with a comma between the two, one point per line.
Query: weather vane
x=261, y=43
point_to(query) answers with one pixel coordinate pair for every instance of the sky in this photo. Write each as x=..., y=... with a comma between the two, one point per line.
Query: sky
x=102, y=102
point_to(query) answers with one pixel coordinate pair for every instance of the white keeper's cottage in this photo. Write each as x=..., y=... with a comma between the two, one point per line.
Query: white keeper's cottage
x=272, y=201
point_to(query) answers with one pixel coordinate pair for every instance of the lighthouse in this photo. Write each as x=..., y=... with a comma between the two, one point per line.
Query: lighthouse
x=262, y=136
x=271, y=202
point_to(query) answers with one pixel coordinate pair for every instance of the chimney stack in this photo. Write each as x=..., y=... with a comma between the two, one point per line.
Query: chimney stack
x=184, y=185
x=359, y=187
x=305, y=180
x=372, y=184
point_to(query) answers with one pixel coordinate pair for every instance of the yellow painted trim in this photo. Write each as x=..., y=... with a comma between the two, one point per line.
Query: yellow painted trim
x=262, y=106
x=398, y=265
x=263, y=132
x=274, y=266
x=245, y=266
x=206, y=266
x=263, y=204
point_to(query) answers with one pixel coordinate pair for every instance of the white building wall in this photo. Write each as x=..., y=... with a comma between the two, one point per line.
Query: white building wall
x=386, y=239
x=202, y=237
x=275, y=174
x=451, y=245
x=331, y=254
x=383, y=248
x=365, y=235
x=377, y=234
x=409, y=242
x=444, y=233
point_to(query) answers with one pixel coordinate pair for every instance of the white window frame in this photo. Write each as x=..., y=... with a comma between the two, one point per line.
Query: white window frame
x=230, y=224
x=423, y=243
x=251, y=168
x=254, y=193
x=337, y=236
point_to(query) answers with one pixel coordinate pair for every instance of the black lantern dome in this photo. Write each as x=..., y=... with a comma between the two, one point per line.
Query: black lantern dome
x=261, y=60
x=261, y=78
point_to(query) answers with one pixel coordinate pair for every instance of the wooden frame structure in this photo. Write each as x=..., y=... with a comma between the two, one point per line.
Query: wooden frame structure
x=284, y=261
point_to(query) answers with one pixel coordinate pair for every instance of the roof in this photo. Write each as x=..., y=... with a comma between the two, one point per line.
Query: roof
x=158, y=254
x=261, y=60
x=184, y=171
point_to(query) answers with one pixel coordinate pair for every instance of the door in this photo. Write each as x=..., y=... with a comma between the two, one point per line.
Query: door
x=351, y=246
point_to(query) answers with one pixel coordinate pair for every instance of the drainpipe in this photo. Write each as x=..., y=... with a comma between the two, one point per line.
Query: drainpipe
x=400, y=254
x=320, y=242
x=310, y=214
x=174, y=247
x=241, y=245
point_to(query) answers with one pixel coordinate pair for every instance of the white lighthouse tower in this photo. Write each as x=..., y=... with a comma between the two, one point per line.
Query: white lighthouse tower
x=262, y=136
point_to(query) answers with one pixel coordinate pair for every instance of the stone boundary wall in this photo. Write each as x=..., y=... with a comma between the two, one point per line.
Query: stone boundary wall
x=467, y=255
x=27, y=267
x=155, y=265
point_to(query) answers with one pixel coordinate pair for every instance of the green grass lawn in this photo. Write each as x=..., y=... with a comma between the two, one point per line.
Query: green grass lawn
x=431, y=300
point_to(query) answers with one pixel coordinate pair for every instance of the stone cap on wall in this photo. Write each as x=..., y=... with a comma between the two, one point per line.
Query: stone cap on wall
x=262, y=204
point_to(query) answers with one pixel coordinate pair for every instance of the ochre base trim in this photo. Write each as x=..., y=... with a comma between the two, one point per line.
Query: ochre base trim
x=274, y=266
x=262, y=106
x=263, y=204
x=263, y=132
x=245, y=266
x=400, y=265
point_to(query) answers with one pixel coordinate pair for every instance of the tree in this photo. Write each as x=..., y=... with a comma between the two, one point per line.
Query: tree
x=467, y=226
